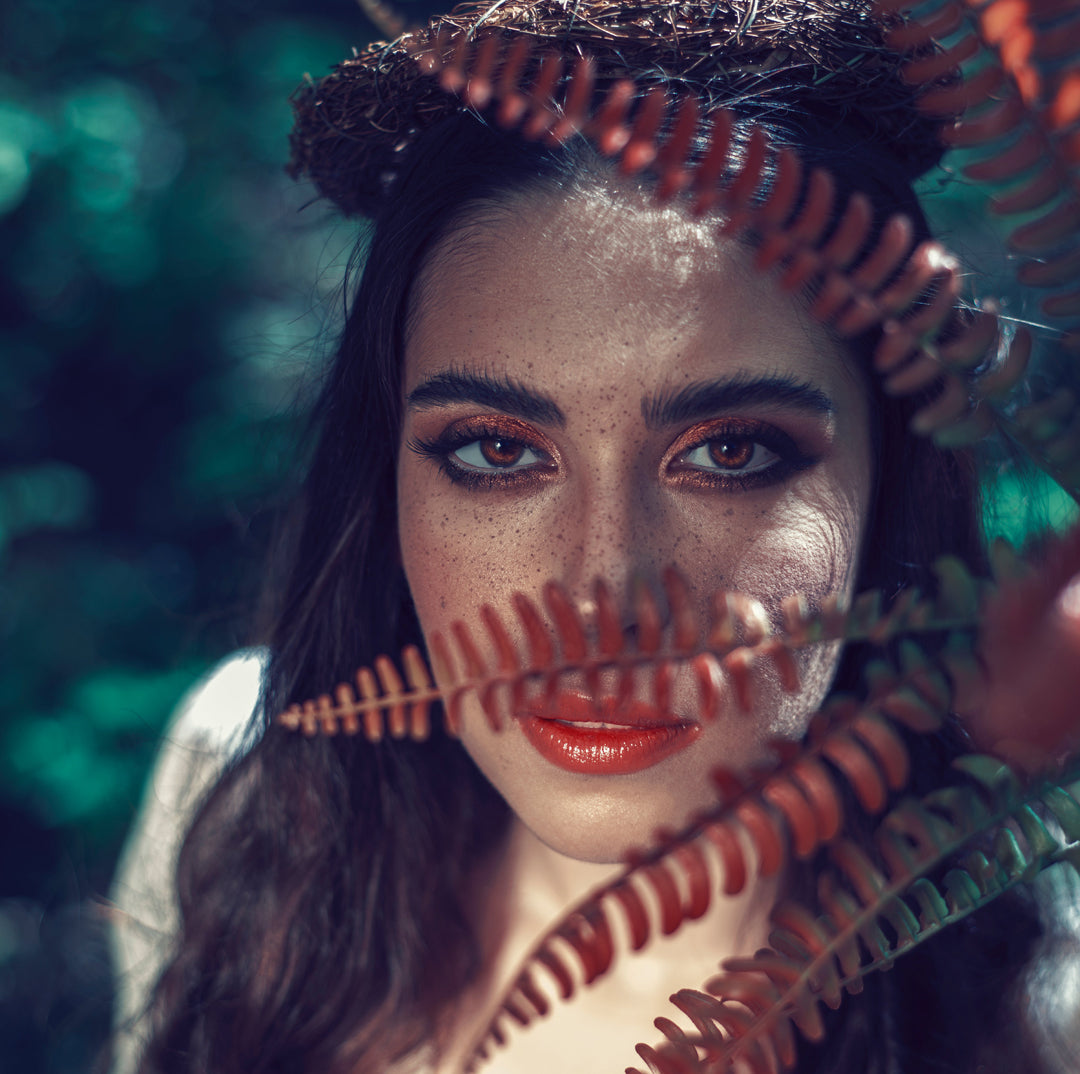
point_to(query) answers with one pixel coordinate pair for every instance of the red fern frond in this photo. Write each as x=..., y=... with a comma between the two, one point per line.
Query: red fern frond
x=821, y=245
x=870, y=914
x=791, y=807
x=504, y=665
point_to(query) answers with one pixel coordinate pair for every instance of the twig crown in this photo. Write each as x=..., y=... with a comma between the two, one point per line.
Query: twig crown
x=352, y=125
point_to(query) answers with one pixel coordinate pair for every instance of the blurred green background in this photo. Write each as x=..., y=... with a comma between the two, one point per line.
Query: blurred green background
x=165, y=294
x=163, y=291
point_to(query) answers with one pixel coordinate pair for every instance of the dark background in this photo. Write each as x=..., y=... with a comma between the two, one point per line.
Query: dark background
x=165, y=294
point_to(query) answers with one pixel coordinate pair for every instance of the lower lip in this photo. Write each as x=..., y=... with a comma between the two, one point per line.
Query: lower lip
x=606, y=751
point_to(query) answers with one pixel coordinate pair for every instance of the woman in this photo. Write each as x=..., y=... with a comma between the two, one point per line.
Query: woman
x=545, y=375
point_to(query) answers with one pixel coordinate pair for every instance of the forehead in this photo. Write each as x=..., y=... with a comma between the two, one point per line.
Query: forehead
x=603, y=285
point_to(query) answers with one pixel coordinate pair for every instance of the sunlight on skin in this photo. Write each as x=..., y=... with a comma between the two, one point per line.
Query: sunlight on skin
x=602, y=313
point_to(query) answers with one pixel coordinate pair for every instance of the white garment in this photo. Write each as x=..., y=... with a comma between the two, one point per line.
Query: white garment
x=204, y=733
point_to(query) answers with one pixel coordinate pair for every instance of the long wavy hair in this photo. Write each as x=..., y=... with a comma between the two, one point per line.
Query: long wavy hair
x=325, y=886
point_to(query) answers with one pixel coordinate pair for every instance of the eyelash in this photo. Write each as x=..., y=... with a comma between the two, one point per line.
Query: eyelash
x=442, y=449
x=787, y=459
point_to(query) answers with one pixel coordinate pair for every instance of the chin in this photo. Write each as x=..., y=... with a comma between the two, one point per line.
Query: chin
x=596, y=818
x=597, y=782
x=601, y=830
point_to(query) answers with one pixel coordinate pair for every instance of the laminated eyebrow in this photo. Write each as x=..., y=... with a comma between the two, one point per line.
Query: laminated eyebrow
x=499, y=393
x=705, y=399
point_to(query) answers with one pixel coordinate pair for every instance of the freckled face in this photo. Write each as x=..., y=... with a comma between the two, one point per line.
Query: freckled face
x=599, y=387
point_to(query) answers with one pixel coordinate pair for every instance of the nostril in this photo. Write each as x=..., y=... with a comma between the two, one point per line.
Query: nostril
x=642, y=615
x=649, y=616
x=609, y=624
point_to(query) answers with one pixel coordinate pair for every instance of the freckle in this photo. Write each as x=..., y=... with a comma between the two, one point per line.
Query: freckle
x=729, y=512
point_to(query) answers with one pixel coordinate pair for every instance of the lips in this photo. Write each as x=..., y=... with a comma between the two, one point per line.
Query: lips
x=603, y=737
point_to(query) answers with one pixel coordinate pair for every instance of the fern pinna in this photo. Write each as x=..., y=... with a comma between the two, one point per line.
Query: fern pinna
x=872, y=914
x=1003, y=79
x=736, y=636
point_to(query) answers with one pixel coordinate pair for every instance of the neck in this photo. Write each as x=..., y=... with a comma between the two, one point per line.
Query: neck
x=531, y=886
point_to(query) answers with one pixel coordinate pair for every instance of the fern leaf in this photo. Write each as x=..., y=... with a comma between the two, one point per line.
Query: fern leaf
x=790, y=807
x=911, y=291
x=509, y=660
x=871, y=916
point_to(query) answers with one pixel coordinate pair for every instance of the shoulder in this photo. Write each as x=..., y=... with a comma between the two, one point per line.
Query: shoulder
x=213, y=723
x=215, y=713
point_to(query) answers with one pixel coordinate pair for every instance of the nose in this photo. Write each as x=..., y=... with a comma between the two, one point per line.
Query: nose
x=614, y=535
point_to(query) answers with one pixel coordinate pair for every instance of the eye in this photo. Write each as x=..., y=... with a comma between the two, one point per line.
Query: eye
x=735, y=455
x=495, y=453
x=488, y=452
x=729, y=455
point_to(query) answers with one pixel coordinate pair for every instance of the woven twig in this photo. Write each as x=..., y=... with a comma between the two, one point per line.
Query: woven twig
x=351, y=126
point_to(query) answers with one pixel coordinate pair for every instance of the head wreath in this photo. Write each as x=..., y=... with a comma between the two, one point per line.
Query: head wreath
x=352, y=125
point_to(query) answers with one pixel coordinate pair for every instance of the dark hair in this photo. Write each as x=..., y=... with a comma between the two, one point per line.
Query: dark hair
x=325, y=886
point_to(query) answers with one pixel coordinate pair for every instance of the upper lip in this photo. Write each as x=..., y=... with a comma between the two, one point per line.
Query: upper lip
x=572, y=707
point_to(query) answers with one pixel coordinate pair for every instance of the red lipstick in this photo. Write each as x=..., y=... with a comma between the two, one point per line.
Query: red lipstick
x=566, y=731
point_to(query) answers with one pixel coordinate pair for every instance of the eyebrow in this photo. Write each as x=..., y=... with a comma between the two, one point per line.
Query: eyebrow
x=499, y=393
x=707, y=397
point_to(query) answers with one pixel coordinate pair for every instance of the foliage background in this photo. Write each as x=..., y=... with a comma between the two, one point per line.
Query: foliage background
x=161, y=297
x=163, y=300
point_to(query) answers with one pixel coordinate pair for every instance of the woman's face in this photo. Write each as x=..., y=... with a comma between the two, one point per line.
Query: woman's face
x=595, y=386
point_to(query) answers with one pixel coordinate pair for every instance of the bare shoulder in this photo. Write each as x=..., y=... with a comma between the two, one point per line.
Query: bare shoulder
x=215, y=713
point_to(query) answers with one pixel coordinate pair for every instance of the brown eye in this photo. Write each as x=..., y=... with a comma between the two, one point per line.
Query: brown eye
x=730, y=456
x=494, y=453
x=489, y=453
x=731, y=453
x=501, y=452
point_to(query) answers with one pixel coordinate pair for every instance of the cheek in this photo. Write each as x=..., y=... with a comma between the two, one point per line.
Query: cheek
x=812, y=542
x=430, y=552
x=805, y=540
x=812, y=549
x=458, y=555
